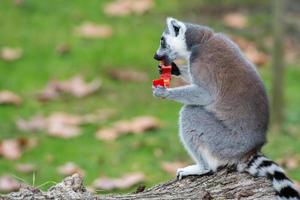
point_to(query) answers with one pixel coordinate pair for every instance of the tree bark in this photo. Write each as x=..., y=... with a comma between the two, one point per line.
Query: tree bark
x=221, y=185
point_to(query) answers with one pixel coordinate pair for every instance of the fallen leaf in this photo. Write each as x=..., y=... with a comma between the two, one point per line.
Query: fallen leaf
x=127, y=7
x=79, y=88
x=69, y=169
x=63, y=49
x=235, y=20
x=19, y=2
x=252, y=53
x=11, y=54
x=126, y=181
x=36, y=123
x=91, y=30
x=128, y=75
x=26, y=167
x=171, y=167
x=137, y=125
x=60, y=124
x=144, y=123
x=10, y=149
x=8, y=184
x=75, y=86
x=107, y=134
x=289, y=161
x=8, y=97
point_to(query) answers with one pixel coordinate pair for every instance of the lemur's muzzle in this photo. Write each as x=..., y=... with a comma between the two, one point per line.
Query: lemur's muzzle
x=158, y=57
x=163, y=57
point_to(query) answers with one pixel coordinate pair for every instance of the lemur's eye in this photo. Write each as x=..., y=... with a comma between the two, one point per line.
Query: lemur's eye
x=176, y=30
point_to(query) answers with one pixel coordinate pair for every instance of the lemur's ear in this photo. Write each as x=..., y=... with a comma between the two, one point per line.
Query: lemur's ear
x=174, y=26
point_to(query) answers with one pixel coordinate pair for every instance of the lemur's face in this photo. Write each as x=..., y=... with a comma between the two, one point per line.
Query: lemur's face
x=172, y=42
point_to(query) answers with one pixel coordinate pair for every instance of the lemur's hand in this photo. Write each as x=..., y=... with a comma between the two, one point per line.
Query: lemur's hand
x=160, y=91
x=174, y=71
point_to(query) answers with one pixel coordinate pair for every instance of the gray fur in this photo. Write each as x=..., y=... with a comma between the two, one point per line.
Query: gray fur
x=225, y=114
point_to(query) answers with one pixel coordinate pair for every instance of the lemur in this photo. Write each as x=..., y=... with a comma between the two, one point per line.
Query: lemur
x=225, y=114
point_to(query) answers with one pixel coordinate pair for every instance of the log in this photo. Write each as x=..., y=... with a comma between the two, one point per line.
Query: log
x=224, y=184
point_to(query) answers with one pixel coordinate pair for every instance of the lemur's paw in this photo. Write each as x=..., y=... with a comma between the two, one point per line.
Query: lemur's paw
x=160, y=91
x=190, y=170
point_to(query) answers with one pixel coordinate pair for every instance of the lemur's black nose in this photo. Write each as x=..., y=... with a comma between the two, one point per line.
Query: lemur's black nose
x=158, y=57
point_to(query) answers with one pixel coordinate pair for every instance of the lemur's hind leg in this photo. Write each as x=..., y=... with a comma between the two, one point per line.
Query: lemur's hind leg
x=200, y=168
x=196, y=124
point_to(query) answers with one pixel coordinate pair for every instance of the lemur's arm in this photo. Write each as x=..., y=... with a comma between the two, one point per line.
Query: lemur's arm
x=188, y=95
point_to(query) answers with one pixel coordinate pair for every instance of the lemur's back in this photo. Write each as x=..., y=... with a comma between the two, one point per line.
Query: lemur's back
x=240, y=98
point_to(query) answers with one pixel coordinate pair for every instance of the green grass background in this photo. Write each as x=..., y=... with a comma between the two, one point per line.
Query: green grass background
x=39, y=26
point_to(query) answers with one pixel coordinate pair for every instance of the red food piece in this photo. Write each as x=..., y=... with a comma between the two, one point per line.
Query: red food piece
x=165, y=76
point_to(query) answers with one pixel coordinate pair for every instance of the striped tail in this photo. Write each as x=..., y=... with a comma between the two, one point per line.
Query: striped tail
x=259, y=165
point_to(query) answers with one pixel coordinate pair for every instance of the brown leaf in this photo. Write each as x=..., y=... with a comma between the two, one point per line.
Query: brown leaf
x=107, y=134
x=36, y=123
x=127, y=7
x=235, y=20
x=63, y=49
x=144, y=123
x=75, y=86
x=10, y=149
x=128, y=75
x=126, y=181
x=11, y=54
x=289, y=161
x=8, y=184
x=136, y=125
x=252, y=53
x=79, y=88
x=171, y=167
x=91, y=30
x=26, y=167
x=69, y=169
x=61, y=124
x=7, y=97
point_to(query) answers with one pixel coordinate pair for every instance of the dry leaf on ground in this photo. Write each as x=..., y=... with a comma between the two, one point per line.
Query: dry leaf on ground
x=89, y=30
x=10, y=54
x=289, y=161
x=171, y=167
x=8, y=184
x=235, y=20
x=8, y=97
x=128, y=75
x=127, y=7
x=69, y=169
x=36, y=123
x=126, y=181
x=10, y=149
x=63, y=49
x=136, y=125
x=75, y=86
x=26, y=167
x=252, y=53
x=61, y=124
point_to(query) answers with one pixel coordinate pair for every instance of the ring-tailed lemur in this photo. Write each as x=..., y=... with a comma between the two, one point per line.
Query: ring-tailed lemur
x=225, y=114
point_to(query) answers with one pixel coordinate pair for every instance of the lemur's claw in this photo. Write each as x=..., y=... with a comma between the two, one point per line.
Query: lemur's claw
x=160, y=91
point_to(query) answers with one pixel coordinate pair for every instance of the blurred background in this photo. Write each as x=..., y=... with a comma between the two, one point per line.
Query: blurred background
x=75, y=87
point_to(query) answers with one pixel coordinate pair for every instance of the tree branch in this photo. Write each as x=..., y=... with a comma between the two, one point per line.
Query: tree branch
x=221, y=185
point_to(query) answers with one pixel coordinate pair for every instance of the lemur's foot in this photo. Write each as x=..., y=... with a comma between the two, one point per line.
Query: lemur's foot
x=160, y=91
x=190, y=170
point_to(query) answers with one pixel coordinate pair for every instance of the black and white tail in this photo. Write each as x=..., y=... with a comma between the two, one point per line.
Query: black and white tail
x=259, y=165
